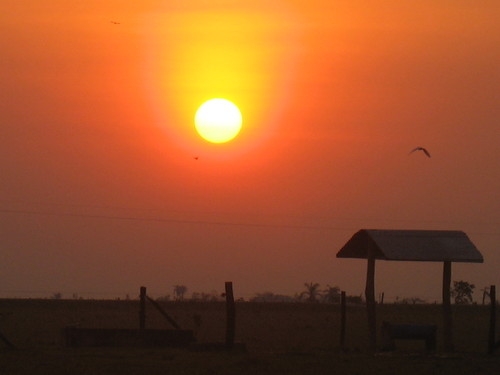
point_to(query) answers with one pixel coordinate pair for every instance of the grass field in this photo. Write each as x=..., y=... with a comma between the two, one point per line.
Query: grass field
x=280, y=339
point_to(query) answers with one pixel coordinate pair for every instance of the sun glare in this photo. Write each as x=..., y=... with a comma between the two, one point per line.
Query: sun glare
x=225, y=53
x=218, y=120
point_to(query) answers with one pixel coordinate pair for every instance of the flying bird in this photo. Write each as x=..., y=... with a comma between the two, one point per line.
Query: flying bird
x=115, y=23
x=421, y=149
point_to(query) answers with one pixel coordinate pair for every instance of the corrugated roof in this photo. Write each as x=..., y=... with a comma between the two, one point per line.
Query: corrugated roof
x=412, y=245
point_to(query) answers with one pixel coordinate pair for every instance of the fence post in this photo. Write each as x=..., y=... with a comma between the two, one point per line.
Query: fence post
x=230, y=316
x=493, y=320
x=342, y=319
x=142, y=311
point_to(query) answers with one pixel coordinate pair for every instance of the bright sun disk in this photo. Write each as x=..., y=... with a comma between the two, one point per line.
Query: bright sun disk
x=218, y=120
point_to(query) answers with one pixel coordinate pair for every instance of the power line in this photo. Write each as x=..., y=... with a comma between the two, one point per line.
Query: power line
x=203, y=222
x=177, y=221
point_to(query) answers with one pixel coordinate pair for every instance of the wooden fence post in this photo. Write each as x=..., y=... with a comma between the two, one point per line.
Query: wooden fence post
x=493, y=320
x=230, y=316
x=342, y=319
x=142, y=311
x=381, y=299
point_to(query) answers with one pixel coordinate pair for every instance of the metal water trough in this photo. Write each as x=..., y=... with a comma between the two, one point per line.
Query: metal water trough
x=392, y=332
x=107, y=337
x=141, y=337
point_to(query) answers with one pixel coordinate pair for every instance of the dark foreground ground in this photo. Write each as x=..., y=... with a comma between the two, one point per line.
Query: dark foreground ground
x=167, y=361
x=280, y=339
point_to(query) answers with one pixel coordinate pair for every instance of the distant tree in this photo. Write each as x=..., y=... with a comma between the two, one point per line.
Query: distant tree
x=179, y=291
x=164, y=298
x=195, y=296
x=462, y=292
x=213, y=296
x=271, y=297
x=355, y=300
x=312, y=292
x=204, y=297
x=57, y=295
x=331, y=294
x=416, y=300
x=410, y=300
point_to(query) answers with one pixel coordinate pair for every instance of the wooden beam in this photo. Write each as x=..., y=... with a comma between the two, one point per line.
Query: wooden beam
x=164, y=313
x=447, y=317
x=370, y=303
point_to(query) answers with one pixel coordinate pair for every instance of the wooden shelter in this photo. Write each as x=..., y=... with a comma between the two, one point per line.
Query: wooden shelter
x=410, y=245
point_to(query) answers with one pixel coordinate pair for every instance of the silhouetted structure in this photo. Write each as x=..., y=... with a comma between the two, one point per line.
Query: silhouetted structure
x=410, y=245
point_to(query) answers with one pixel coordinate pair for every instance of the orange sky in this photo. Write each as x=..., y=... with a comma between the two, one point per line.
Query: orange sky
x=98, y=142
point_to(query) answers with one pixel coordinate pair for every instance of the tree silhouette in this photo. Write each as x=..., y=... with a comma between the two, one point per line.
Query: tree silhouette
x=462, y=292
x=179, y=291
x=331, y=294
x=312, y=292
x=271, y=297
x=57, y=295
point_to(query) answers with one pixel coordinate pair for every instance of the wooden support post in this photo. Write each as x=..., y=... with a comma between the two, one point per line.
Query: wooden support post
x=447, y=317
x=230, y=316
x=492, y=344
x=342, y=319
x=371, y=304
x=142, y=311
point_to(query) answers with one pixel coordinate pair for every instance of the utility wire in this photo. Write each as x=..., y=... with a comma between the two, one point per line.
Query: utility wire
x=177, y=221
x=195, y=222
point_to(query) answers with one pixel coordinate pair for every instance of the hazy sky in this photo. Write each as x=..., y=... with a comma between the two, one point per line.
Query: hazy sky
x=100, y=192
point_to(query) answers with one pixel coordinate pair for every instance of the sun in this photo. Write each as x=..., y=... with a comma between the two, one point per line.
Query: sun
x=218, y=120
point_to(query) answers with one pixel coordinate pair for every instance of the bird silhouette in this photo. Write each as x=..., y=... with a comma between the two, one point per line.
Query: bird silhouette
x=115, y=23
x=421, y=149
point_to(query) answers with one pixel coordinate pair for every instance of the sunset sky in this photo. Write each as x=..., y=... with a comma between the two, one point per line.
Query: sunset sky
x=106, y=186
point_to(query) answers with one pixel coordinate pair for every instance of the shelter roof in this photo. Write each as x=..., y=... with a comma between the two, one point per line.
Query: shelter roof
x=411, y=245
